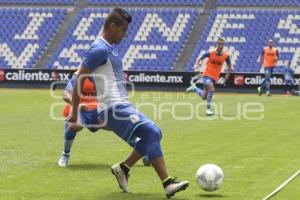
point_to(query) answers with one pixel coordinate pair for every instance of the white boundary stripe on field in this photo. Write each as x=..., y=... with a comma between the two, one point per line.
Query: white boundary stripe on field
x=282, y=185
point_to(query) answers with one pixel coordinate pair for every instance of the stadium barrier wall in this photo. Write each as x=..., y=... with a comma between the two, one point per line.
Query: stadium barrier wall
x=36, y=78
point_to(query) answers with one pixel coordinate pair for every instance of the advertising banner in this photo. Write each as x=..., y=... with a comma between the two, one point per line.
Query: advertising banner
x=138, y=78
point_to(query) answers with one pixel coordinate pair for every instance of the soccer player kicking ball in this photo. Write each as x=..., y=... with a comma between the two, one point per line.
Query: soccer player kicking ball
x=271, y=56
x=105, y=65
x=88, y=115
x=216, y=58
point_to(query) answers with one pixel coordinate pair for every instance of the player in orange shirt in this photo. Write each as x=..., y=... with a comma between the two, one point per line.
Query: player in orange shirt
x=88, y=115
x=270, y=56
x=216, y=58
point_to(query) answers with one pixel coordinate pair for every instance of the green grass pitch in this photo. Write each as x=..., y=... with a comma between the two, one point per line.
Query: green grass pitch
x=256, y=155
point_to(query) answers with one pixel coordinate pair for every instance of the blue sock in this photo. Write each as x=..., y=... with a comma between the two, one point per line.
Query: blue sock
x=268, y=84
x=209, y=99
x=199, y=91
x=69, y=139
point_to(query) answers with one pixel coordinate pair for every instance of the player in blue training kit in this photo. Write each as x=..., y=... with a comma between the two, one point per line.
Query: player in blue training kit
x=103, y=63
x=289, y=79
x=88, y=118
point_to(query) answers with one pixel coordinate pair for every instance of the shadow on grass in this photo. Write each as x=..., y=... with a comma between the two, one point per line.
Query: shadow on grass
x=96, y=166
x=138, y=196
x=211, y=195
x=89, y=166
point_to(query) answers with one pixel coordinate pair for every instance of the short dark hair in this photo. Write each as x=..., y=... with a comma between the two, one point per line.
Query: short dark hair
x=221, y=39
x=117, y=16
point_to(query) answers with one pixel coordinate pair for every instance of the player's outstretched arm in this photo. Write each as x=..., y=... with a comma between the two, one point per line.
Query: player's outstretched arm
x=277, y=56
x=229, y=69
x=260, y=58
x=196, y=67
x=199, y=59
x=197, y=64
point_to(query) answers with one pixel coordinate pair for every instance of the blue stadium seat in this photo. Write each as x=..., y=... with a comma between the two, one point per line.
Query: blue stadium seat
x=62, y=2
x=148, y=2
x=144, y=48
x=258, y=3
x=25, y=33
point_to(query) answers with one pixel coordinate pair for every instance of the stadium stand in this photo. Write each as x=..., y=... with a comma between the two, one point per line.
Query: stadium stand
x=61, y=2
x=153, y=35
x=247, y=31
x=25, y=34
x=157, y=36
x=258, y=3
x=148, y=2
x=23, y=41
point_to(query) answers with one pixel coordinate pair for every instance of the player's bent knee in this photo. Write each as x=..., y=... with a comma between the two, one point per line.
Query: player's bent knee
x=155, y=133
x=149, y=143
x=149, y=132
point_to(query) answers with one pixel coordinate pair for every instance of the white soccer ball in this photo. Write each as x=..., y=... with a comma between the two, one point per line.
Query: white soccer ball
x=210, y=177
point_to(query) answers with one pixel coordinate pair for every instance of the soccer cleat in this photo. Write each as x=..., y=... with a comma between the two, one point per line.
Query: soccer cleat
x=172, y=186
x=259, y=91
x=146, y=161
x=268, y=93
x=121, y=177
x=64, y=159
x=209, y=112
x=192, y=88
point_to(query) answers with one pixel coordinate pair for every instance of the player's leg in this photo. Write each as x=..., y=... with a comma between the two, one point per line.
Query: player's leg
x=210, y=94
x=262, y=86
x=195, y=89
x=121, y=171
x=132, y=142
x=268, y=80
x=210, y=89
x=288, y=88
x=201, y=92
x=268, y=74
x=149, y=145
x=291, y=87
x=204, y=93
x=69, y=136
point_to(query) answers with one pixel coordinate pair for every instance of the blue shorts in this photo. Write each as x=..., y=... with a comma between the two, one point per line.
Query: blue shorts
x=206, y=80
x=89, y=119
x=123, y=119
